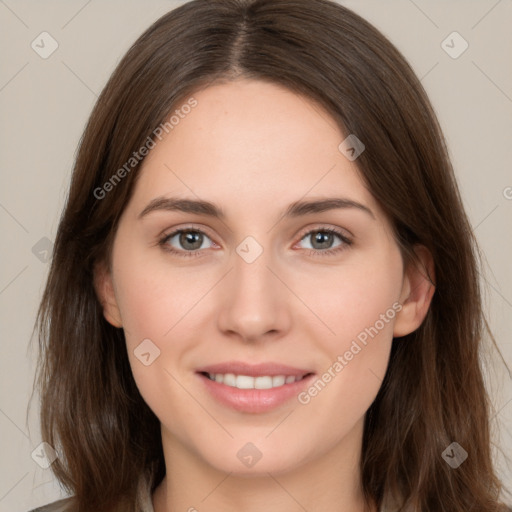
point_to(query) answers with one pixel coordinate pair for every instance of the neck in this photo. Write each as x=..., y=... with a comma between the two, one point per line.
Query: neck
x=329, y=482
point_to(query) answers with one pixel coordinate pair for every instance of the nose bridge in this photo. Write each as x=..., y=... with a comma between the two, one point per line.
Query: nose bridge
x=252, y=280
x=253, y=303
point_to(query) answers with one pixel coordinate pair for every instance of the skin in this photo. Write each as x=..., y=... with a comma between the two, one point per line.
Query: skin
x=253, y=148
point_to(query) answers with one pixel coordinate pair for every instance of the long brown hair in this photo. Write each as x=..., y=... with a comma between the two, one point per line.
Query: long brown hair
x=433, y=392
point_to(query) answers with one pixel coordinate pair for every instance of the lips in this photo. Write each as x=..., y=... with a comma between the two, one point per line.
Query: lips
x=253, y=388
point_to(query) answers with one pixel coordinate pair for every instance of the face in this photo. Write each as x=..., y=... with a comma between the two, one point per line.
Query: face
x=263, y=330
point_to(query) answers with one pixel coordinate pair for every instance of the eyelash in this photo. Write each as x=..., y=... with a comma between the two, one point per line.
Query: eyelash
x=311, y=252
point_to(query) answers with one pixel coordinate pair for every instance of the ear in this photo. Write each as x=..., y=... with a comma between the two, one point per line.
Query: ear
x=104, y=287
x=417, y=292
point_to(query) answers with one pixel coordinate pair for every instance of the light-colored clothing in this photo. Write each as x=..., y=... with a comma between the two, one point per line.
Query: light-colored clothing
x=66, y=505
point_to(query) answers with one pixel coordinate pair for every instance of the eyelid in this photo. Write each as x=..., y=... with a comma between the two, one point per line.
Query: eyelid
x=167, y=235
x=188, y=227
x=343, y=232
x=300, y=235
x=338, y=231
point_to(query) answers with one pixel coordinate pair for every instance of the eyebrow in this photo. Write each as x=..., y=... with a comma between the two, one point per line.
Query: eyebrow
x=206, y=208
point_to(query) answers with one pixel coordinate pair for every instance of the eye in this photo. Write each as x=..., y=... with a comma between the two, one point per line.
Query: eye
x=189, y=241
x=322, y=240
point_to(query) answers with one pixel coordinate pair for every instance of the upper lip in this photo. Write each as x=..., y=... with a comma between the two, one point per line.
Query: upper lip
x=253, y=370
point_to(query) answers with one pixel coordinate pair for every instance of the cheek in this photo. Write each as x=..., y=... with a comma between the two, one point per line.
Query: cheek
x=154, y=297
x=154, y=302
x=358, y=305
x=354, y=298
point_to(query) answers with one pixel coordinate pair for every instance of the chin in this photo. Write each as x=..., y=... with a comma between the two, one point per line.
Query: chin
x=246, y=460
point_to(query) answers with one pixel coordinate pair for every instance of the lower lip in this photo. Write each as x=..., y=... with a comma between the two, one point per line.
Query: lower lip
x=254, y=400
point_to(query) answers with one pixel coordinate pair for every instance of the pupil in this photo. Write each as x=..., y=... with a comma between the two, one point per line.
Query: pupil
x=322, y=237
x=191, y=237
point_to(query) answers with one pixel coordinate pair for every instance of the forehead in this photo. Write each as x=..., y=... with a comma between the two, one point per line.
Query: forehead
x=247, y=140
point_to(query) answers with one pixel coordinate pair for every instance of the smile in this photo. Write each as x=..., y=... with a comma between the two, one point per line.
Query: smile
x=248, y=382
x=253, y=388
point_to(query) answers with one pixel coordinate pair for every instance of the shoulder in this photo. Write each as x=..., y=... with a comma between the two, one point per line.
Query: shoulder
x=65, y=505
x=69, y=505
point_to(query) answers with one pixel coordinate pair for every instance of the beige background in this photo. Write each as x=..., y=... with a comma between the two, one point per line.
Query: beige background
x=45, y=102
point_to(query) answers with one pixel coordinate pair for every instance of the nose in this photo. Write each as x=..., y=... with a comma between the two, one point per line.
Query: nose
x=254, y=304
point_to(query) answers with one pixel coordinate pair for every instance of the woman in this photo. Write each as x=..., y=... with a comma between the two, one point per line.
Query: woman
x=249, y=370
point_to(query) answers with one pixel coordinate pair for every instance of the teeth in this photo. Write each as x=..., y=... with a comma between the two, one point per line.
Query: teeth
x=248, y=382
x=229, y=379
x=278, y=380
x=244, y=382
x=263, y=382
